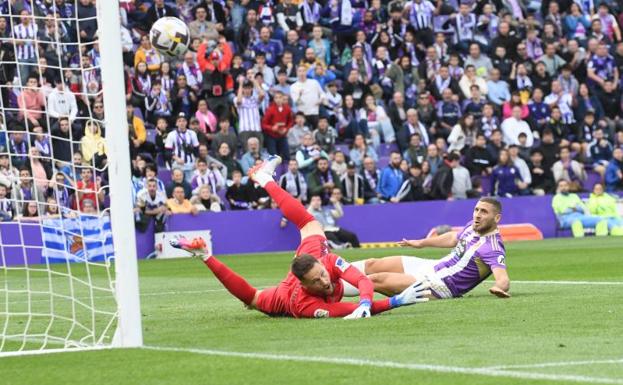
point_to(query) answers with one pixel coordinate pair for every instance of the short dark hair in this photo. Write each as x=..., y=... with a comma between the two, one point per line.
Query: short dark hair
x=302, y=264
x=492, y=201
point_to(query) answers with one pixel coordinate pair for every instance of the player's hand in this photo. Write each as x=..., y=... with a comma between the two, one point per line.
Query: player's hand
x=416, y=293
x=415, y=243
x=499, y=292
x=362, y=311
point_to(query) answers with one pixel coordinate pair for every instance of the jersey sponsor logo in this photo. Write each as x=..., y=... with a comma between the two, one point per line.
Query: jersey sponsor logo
x=341, y=264
x=502, y=260
x=321, y=313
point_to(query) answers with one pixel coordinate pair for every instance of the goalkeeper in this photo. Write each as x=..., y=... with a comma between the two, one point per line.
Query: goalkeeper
x=313, y=287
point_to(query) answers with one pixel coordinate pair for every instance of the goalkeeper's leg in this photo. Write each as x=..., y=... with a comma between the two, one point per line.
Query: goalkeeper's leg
x=291, y=208
x=234, y=283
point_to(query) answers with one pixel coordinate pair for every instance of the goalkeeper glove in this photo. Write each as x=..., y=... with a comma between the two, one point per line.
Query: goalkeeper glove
x=413, y=294
x=362, y=311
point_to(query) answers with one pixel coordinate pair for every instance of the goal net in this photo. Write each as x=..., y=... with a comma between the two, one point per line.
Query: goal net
x=68, y=277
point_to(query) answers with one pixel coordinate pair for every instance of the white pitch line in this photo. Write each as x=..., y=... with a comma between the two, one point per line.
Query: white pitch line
x=394, y=365
x=556, y=364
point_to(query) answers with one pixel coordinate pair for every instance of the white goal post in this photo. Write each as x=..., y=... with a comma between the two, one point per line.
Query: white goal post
x=129, y=331
x=68, y=279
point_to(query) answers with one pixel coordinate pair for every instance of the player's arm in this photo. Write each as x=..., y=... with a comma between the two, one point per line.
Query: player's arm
x=446, y=241
x=502, y=283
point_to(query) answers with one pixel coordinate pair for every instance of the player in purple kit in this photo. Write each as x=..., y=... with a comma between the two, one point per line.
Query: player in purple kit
x=478, y=251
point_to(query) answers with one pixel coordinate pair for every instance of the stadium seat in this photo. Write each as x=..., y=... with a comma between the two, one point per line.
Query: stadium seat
x=164, y=175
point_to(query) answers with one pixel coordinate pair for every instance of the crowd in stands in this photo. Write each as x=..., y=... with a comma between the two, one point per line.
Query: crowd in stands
x=385, y=101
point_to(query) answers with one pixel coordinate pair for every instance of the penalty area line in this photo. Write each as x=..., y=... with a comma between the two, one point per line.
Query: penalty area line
x=556, y=364
x=392, y=365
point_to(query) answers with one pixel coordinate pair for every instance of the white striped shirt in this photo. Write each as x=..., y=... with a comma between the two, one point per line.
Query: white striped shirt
x=249, y=114
x=27, y=50
x=421, y=14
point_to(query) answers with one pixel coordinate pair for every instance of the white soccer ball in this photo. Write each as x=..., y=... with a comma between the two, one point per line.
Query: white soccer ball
x=170, y=36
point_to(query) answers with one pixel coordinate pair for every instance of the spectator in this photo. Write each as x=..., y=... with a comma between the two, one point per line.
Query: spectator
x=239, y=195
x=463, y=134
x=515, y=125
x=571, y=212
x=322, y=180
x=30, y=211
x=505, y=177
x=177, y=179
x=338, y=237
x=61, y=103
x=541, y=176
x=416, y=152
x=353, y=185
x=325, y=135
x=88, y=188
x=522, y=167
x=201, y=28
x=158, y=10
x=469, y=79
x=294, y=182
x=391, y=178
x=360, y=150
x=614, y=171
x=276, y=123
x=225, y=134
x=181, y=147
x=308, y=154
x=297, y=132
x=307, y=95
x=248, y=100
x=148, y=55
x=433, y=158
x=254, y=152
x=207, y=175
x=478, y=159
x=604, y=205
x=151, y=204
x=462, y=184
x=498, y=89
x=372, y=179
x=412, y=188
x=178, y=204
x=226, y=158
x=569, y=170
x=31, y=104
x=204, y=200
x=412, y=126
x=93, y=145
x=7, y=206
x=443, y=180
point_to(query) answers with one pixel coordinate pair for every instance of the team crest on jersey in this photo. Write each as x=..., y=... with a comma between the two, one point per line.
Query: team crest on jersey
x=502, y=260
x=341, y=264
x=321, y=313
x=459, y=250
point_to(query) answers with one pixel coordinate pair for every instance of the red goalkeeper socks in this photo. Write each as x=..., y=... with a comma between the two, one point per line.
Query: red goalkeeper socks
x=234, y=283
x=291, y=208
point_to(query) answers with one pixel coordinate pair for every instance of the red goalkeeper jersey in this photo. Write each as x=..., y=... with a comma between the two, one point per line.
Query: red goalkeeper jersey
x=291, y=299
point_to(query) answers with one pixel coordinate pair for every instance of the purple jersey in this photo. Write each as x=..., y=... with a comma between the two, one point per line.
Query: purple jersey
x=471, y=260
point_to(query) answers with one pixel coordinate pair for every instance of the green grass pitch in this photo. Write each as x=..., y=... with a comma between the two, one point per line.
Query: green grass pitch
x=563, y=332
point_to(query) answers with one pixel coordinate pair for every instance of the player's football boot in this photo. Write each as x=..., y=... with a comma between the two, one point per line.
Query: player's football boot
x=263, y=173
x=195, y=246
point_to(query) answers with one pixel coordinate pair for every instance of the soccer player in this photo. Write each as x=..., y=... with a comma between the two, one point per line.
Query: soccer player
x=313, y=288
x=478, y=251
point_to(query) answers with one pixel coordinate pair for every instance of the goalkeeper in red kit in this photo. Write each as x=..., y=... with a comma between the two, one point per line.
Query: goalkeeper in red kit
x=313, y=287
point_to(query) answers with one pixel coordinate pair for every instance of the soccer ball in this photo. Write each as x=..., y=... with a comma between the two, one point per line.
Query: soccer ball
x=170, y=36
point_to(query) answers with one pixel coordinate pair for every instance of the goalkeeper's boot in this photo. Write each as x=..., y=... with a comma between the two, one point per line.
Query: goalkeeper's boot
x=263, y=173
x=196, y=246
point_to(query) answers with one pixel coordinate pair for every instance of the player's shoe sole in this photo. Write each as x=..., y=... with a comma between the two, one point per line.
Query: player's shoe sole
x=601, y=229
x=267, y=167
